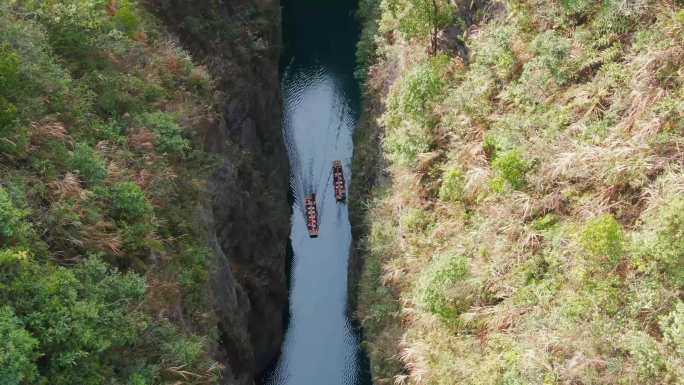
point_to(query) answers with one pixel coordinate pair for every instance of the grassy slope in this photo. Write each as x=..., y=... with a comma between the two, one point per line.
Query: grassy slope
x=103, y=270
x=532, y=229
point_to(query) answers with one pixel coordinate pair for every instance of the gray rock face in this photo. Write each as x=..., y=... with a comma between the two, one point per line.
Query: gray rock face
x=249, y=214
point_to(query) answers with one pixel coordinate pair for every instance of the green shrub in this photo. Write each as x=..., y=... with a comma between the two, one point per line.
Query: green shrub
x=153, y=93
x=128, y=203
x=14, y=228
x=126, y=20
x=603, y=239
x=409, y=118
x=497, y=185
x=116, y=93
x=530, y=89
x=65, y=63
x=169, y=134
x=511, y=167
x=415, y=95
x=661, y=245
x=474, y=95
x=415, y=220
x=8, y=114
x=671, y=110
x=546, y=222
x=18, y=350
x=135, y=237
x=404, y=144
x=10, y=261
x=183, y=350
x=452, y=186
x=578, y=9
x=39, y=72
x=193, y=277
x=441, y=288
x=553, y=51
x=13, y=137
x=650, y=364
x=88, y=164
x=111, y=130
x=672, y=326
x=616, y=18
x=493, y=51
x=9, y=71
x=490, y=146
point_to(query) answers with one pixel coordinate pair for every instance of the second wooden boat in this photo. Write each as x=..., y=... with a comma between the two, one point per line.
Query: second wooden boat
x=338, y=181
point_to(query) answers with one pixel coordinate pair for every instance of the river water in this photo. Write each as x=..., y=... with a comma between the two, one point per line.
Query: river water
x=321, y=108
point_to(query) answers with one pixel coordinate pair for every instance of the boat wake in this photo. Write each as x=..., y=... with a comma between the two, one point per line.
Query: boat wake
x=312, y=150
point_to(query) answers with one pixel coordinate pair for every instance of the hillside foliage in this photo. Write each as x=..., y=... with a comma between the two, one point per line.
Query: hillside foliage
x=101, y=172
x=530, y=228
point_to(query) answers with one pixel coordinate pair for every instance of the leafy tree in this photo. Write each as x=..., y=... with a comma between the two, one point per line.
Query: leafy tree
x=422, y=18
x=16, y=350
x=81, y=317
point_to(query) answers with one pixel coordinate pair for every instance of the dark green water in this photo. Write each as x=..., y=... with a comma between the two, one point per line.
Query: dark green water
x=321, y=108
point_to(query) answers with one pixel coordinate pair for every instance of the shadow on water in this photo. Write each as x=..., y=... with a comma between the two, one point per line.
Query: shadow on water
x=321, y=109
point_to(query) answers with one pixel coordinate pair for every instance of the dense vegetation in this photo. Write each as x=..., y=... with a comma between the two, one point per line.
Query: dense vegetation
x=102, y=268
x=530, y=229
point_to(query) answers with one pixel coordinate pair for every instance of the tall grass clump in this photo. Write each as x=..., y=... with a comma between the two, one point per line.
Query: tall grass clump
x=410, y=110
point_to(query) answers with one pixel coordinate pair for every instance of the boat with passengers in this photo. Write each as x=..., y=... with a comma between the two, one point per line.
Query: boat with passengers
x=338, y=181
x=311, y=215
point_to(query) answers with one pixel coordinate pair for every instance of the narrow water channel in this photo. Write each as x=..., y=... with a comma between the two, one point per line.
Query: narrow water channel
x=321, y=105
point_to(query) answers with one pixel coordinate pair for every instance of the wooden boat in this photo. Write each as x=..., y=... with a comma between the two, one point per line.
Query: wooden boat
x=338, y=181
x=311, y=215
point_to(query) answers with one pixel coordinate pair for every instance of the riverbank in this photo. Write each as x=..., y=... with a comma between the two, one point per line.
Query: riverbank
x=524, y=224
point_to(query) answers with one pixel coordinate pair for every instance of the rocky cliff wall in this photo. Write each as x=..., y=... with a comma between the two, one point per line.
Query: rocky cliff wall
x=239, y=41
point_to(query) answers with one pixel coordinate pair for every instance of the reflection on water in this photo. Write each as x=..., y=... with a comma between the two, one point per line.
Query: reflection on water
x=321, y=106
